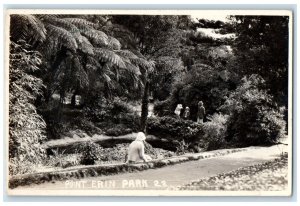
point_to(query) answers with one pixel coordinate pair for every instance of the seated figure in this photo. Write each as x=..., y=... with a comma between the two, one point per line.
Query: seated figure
x=136, y=150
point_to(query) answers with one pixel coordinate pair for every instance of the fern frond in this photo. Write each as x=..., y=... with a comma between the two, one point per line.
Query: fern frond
x=82, y=42
x=96, y=36
x=149, y=65
x=133, y=69
x=85, y=45
x=126, y=54
x=26, y=27
x=62, y=35
x=50, y=19
x=92, y=61
x=81, y=24
x=107, y=55
x=113, y=43
x=106, y=77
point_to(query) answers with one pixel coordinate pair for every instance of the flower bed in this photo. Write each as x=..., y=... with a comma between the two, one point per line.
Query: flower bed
x=269, y=176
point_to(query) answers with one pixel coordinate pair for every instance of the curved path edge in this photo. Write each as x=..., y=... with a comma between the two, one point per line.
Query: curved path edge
x=80, y=172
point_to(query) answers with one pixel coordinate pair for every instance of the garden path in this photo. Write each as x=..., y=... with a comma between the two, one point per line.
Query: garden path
x=173, y=175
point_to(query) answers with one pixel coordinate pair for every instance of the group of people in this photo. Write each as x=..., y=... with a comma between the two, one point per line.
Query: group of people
x=186, y=114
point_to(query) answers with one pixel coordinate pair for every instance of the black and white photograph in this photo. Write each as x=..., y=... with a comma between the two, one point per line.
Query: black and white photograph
x=149, y=102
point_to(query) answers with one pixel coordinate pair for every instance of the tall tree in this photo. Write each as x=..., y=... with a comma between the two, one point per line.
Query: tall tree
x=261, y=47
x=59, y=54
x=153, y=35
x=76, y=50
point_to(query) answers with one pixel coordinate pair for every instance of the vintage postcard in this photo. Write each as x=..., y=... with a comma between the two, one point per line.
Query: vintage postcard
x=149, y=102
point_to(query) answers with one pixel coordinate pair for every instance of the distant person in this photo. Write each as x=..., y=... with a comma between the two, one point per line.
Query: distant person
x=136, y=150
x=201, y=112
x=186, y=114
x=178, y=110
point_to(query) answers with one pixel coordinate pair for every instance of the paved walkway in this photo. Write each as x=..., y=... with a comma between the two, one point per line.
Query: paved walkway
x=170, y=176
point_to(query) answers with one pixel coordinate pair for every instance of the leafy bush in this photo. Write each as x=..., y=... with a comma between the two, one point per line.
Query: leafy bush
x=26, y=126
x=163, y=108
x=58, y=128
x=118, y=106
x=60, y=159
x=215, y=131
x=175, y=129
x=106, y=110
x=19, y=166
x=117, y=130
x=182, y=147
x=85, y=125
x=254, y=118
x=114, y=118
x=90, y=152
x=202, y=82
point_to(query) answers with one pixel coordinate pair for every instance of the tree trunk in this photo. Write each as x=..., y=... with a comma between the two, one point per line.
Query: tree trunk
x=145, y=102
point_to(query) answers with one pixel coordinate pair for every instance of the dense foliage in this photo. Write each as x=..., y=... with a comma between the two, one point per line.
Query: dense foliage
x=175, y=129
x=215, y=131
x=26, y=127
x=117, y=113
x=261, y=47
x=72, y=75
x=254, y=117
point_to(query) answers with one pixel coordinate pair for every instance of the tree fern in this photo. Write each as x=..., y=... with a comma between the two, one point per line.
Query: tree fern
x=65, y=37
x=126, y=53
x=64, y=23
x=81, y=24
x=97, y=37
x=107, y=55
x=86, y=46
x=88, y=29
x=113, y=43
x=143, y=63
x=27, y=27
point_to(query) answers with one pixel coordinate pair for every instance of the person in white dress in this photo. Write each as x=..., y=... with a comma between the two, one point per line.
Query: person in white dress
x=136, y=150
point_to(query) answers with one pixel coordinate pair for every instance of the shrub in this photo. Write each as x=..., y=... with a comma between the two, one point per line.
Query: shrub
x=131, y=120
x=175, y=129
x=215, y=131
x=26, y=126
x=85, y=125
x=182, y=147
x=118, y=106
x=19, y=166
x=202, y=82
x=163, y=108
x=60, y=159
x=90, y=152
x=115, y=118
x=254, y=118
x=117, y=130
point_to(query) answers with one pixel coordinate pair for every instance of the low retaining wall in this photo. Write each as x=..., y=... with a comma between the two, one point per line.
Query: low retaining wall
x=104, y=170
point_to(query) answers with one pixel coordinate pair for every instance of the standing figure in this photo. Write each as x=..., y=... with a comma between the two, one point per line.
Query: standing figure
x=178, y=110
x=186, y=114
x=136, y=150
x=201, y=112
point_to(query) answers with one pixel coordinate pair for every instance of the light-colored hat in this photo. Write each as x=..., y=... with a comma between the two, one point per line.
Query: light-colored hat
x=140, y=136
